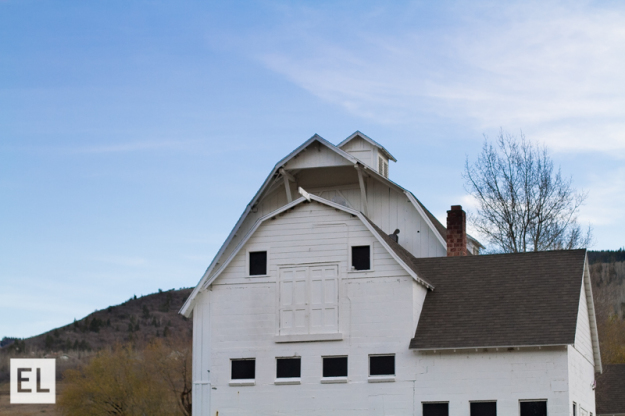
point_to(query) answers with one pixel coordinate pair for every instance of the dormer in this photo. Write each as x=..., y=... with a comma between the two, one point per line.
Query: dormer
x=368, y=151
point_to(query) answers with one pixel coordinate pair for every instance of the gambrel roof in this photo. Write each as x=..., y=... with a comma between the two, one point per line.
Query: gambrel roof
x=501, y=300
x=394, y=249
x=437, y=228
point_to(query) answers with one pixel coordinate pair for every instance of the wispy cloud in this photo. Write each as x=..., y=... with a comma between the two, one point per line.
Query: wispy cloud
x=553, y=69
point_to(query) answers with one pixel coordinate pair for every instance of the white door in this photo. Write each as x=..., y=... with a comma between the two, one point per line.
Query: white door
x=309, y=299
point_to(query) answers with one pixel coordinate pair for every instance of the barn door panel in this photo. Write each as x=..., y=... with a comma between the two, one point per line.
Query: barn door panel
x=324, y=299
x=293, y=305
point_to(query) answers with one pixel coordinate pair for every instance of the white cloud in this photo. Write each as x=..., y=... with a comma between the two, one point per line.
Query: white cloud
x=553, y=70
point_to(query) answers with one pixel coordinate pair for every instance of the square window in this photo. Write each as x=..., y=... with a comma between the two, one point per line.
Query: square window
x=538, y=408
x=382, y=365
x=484, y=409
x=334, y=366
x=361, y=257
x=435, y=409
x=258, y=263
x=288, y=367
x=243, y=369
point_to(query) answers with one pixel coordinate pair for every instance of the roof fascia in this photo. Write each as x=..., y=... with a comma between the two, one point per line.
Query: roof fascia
x=489, y=347
x=592, y=316
x=358, y=133
x=186, y=307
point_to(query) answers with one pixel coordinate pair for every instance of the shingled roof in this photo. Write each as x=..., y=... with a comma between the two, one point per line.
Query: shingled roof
x=500, y=300
x=610, y=392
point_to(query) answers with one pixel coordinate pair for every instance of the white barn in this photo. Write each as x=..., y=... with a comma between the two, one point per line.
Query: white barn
x=316, y=305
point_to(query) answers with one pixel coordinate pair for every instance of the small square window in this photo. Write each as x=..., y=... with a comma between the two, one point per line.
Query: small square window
x=258, y=263
x=538, y=408
x=243, y=369
x=334, y=366
x=361, y=257
x=484, y=409
x=435, y=409
x=381, y=365
x=288, y=367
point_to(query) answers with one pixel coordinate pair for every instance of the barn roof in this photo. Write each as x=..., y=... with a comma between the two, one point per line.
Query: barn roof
x=500, y=300
x=430, y=220
x=610, y=391
x=366, y=138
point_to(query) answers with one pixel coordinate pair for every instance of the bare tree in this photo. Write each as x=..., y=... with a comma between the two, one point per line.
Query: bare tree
x=523, y=204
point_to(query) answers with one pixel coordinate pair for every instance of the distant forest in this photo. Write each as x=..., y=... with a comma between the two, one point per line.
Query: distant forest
x=606, y=256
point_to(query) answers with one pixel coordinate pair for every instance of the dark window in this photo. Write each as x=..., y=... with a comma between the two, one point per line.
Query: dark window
x=574, y=409
x=258, y=263
x=288, y=367
x=382, y=365
x=484, y=409
x=534, y=408
x=435, y=409
x=243, y=369
x=361, y=257
x=335, y=367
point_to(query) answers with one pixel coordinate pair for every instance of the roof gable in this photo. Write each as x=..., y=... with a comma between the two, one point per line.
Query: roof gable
x=376, y=231
x=429, y=219
x=369, y=140
x=500, y=300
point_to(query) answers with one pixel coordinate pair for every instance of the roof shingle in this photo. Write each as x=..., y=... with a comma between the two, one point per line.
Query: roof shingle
x=500, y=300
x=610, y=392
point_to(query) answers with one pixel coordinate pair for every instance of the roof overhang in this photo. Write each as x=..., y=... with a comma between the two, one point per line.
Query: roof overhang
x=205, y=282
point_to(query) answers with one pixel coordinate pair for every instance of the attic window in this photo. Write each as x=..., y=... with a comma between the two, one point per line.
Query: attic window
x=258, y=263
x=383, y=166
x=484, y=409
x=435, y=409
x=361, y=257
x=538, y=408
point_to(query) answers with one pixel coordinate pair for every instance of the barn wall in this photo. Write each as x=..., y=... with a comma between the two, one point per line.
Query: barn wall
x=581, y=376
x=376, y=316
x=503, y=376
x=363, y=151
x=583, y=342
x=581, y=359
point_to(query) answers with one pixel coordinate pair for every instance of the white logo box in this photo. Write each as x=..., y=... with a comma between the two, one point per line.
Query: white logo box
x=33, y=380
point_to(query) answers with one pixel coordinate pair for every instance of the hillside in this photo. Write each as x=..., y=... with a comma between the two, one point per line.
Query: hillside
x=137, y=320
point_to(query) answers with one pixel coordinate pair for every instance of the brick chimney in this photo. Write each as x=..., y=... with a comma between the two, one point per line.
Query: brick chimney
x=456, y=232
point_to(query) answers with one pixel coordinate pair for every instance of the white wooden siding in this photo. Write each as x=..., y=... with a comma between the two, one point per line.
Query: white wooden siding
x=316, y=155
x=363, y=151
x=583, y=341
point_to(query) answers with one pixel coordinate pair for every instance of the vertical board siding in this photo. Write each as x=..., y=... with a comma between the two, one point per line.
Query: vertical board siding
x=583, y=341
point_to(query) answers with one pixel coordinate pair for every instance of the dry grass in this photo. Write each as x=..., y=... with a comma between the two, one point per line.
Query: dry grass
x=8, y=409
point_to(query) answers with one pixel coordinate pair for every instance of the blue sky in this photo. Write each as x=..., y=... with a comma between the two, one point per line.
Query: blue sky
x=133, y=134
